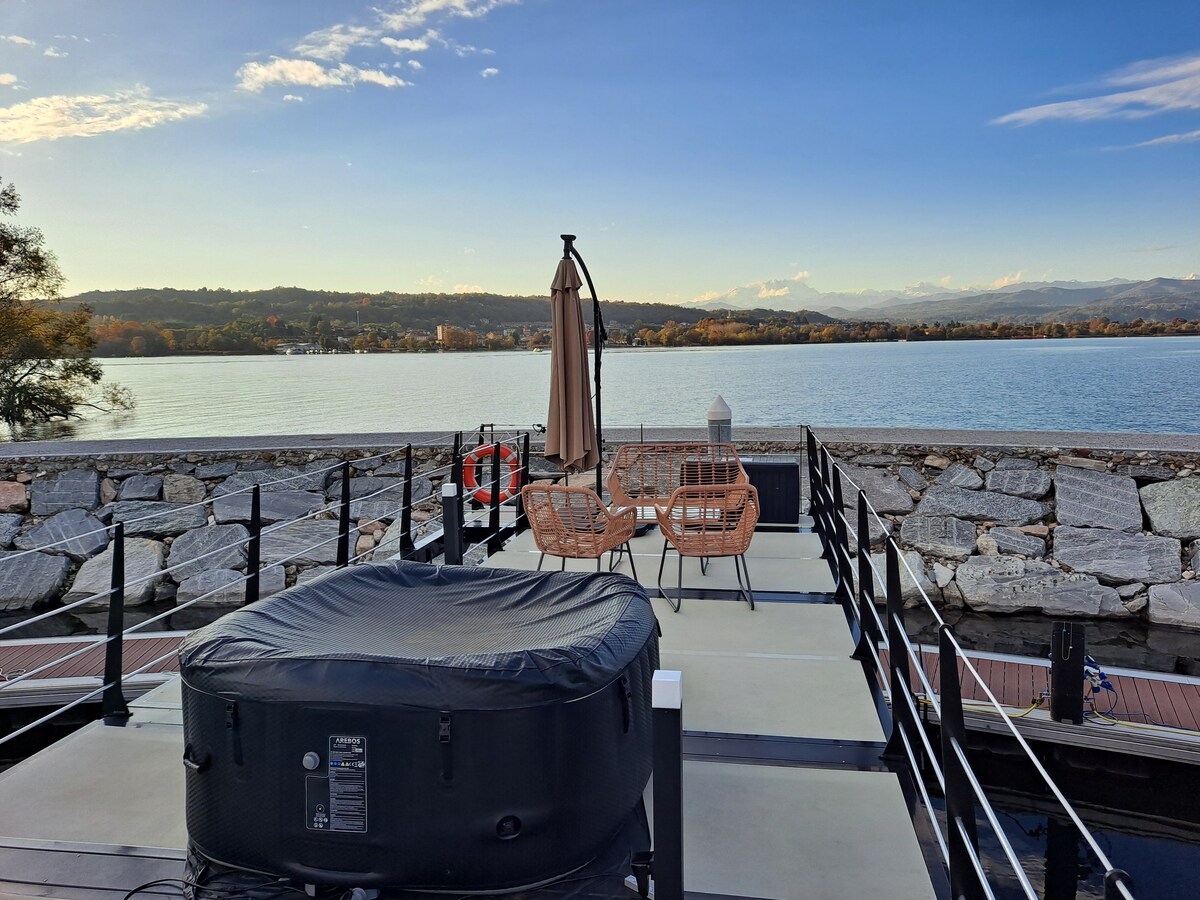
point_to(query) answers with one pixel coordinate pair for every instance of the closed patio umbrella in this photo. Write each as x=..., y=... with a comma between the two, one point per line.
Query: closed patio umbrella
x=571, y=439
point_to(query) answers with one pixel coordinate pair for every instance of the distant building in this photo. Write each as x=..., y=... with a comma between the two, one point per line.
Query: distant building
x=441, y=332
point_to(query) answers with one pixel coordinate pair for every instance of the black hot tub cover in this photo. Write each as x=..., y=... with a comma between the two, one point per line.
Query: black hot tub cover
x=419, y=635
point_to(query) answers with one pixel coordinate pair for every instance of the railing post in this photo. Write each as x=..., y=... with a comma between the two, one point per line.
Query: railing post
x=113, y=707
x=406, y=541
x=456, y=472
x=493, y=542
x=253, y=546
x=960, y=800
x=667, y=701
x=841, y=535
x=452, y=522
x=521, y=522
x=901, y=675
x=343, y=542
x=866, y=585
x=1068, y=647
x=826, y=536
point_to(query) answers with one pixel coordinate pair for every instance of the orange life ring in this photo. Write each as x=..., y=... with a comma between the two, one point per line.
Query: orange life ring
x=508, y=456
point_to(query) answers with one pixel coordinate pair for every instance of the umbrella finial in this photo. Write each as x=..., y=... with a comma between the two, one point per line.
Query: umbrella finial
x=568, y=240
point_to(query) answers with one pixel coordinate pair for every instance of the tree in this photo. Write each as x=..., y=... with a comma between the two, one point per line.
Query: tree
x=46, y=369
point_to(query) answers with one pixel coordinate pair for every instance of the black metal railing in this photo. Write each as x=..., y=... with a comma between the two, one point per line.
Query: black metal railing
x=908, y=740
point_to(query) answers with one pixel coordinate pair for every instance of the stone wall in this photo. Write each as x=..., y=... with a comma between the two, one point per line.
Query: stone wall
x=1098, y=533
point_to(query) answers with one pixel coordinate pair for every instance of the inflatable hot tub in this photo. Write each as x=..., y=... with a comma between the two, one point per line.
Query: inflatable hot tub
x=410, y=726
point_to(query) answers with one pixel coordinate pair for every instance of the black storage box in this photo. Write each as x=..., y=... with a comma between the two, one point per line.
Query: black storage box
x=409, y=726
x=777, y=479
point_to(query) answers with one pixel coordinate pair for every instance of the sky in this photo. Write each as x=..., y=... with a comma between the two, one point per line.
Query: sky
x=694, y=146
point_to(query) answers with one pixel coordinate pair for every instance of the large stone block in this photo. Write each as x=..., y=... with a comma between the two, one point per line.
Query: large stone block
x=1010, y=463
x=1174, y=507
x=1010, y=540
x=73, y=489
x=878, y=529
x=943, y=536
x=913, y=479
x=980, y=506
x=1096, y=499
x=178, y=488
x=227, y=587
x=10, y=526
x=381, y=499
x=143, y=572
x=1145, y=473
x=913, y=590
x=190, y=552
x=30, y=579
x=13, y=497
x=153, y=517
x=1031, y=483
x=1005, y=584
x=310, y=477
x=72, y=532
x=1176, y=604
x=961, y=476
x=140, y=487
x=216, y=470
x=1116, y=557
x=884, y=491
x=304, y=543
x=274, y=506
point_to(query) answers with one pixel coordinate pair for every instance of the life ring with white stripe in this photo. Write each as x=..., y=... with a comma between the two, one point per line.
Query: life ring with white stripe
x=508, y=457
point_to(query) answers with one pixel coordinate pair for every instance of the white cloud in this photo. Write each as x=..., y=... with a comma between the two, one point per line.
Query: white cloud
x=335, y=41
x=1006, y=280
x=764, y=292
x=293, y=98
x=7, y=78
x=1185, y=138
x=415, y=65
x=489, y=72
x=414, y=13
x=407, y=45
x=468, y=289
x=1160, y=85
x=256, y=76
x=430, y=281
x=50, y=118
x=17, y=39
x=55, y=53
x=801, y=276
x=944, y=281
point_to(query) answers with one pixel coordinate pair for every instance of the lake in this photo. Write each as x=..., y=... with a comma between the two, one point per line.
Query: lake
x=1091, y=384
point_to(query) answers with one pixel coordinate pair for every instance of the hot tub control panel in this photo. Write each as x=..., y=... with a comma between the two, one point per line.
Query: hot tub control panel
x=337, y=801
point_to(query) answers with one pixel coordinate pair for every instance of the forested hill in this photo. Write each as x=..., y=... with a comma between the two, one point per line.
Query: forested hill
x=173, y=308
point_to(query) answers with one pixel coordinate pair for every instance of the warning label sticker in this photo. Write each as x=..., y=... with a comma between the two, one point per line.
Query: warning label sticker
x=347, y=783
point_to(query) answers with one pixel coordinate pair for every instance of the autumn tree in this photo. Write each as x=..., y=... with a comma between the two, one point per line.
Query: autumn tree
x=46, y=369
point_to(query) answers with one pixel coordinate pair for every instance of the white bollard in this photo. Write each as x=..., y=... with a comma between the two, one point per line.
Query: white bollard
x=720, y=422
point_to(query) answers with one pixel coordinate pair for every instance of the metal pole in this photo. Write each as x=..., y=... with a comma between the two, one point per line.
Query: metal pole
x=866, y=584
x=493, y=544
x=452, y=519
x=960, y=800
x=522, y=522
x=456, y=471
x=113, y=706
x=343, y=543
x=845, y=571
x=253, y=546
x=667, y=700
x=901, y=676
x=406, y=541
x=1068, y=646
x=599, y=336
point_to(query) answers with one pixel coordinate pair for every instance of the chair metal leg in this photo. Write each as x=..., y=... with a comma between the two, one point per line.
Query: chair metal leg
x=679, y=602
x=541, y=559
x=632, y=567
x=704, y=565
x=563, y=568
x=675, y=604
x=749, y=591
x=599, y=562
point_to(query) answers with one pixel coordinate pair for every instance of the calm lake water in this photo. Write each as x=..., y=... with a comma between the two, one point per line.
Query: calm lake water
x=1095, y=384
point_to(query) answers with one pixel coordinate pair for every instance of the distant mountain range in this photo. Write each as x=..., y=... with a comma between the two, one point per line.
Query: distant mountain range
x=1159, y=299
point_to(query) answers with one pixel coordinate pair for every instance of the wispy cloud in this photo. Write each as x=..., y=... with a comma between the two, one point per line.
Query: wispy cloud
x=1157, y=86
x=409, y=45
x=415, y=65
x=7, y=78
x=55, y=53
x=415, y=13
x=764, y=292
x=1188, y=137
x=51, y=118
x=17, y=39
x=489, y=72
x=256, y=76
x=1006, y=280
x=293, y=98
x=468, y=289
x=335, y=41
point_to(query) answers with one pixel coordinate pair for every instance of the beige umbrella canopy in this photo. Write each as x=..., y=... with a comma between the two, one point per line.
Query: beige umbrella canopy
x=570, y=428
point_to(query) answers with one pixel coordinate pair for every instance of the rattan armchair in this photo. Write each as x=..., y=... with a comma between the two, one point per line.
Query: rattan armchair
x=709, y=521
x=573, y=523
x=646, y=475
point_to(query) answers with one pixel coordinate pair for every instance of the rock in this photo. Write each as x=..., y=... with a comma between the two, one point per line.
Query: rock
x=1035, y=530
x=959, y=475
x=980, y=506
x=952, y=596
x=1174, y=507
x=108, y=491
x=73, y=489
x=227, y=587
x=1117, y=558
x=912, y=478
x=1194, y=557
x=1145, y=473
x=274, y=506
x=313, y=573
x=10, y=525
x=1175, y=604
x=183, y=489
x=183, y=560
x=1031, y=483
x=389, y=545
x=1011, y=463
x=943, y=536
x=1126, y=591
x=365, y=544
x=933, y=461
x=1081, y=462
x=983, y=464
x=1094, y=499
x=74, y=532
x=143, y=572
x=216, y=470
x=13, y=498
x=384, y=497
x=879, y=530
x=910, y=589
x=942, y=575
x=1114, y=608
x=140, y=487
x=1137, y=603
x=24, y=477
x=167, y=518
x=884, y=490
x=280, y=478
x=304, y=543
x=166, y=592
x=30, y=579
x=875, y=459
x=1010, y=540
x=1006, y=584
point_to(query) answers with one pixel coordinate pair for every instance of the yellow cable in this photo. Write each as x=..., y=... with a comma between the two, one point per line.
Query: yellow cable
x=1183, y=731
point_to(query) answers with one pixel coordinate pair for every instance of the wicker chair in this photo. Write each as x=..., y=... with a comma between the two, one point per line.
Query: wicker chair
x=573, y=523
x=646, y=475
x=705, y=522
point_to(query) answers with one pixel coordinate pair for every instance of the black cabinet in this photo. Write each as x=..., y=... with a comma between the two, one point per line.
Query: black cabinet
x=777, y=479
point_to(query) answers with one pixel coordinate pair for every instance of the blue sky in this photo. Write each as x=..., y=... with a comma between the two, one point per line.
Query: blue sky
x=693, y=146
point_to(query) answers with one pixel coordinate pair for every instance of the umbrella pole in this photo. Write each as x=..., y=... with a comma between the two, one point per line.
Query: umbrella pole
x=599, y=336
